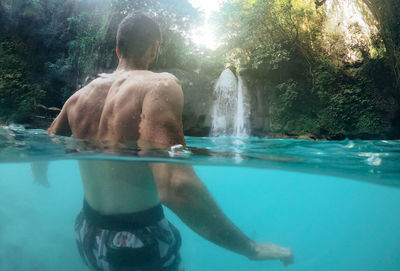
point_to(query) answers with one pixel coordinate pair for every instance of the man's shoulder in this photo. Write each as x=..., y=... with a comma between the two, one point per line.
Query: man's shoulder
x=154, y=78
x=160, y=83
x=168, y=76
x=84, y=91
x=168, y=82
x=94, y=86
x=164, y=87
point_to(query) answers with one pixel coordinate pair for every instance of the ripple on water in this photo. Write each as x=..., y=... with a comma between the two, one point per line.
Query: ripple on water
x=373, y=161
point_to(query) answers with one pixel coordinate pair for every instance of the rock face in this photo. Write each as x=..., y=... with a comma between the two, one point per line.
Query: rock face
x=199, y=98
x=258, y=107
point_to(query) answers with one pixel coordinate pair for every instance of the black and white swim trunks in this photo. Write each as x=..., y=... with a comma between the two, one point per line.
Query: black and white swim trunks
x=141, y=241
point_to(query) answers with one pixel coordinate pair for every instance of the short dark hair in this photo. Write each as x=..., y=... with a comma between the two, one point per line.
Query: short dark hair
x=136, y=33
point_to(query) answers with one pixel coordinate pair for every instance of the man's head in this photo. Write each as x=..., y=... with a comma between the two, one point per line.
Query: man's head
x=138, y=38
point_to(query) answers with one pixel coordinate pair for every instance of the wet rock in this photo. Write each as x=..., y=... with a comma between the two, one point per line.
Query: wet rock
x=198, y=92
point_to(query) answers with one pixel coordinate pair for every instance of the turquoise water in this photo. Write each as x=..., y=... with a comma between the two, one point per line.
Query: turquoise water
x=334, y=203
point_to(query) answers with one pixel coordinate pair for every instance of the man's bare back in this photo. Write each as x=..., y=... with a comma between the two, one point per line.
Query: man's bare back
x=113, y=107
x=117, y=108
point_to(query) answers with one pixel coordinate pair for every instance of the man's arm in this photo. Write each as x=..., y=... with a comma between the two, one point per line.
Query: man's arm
x=60, y=126
x=161, y=122
x=39, y=172
x=183, y=192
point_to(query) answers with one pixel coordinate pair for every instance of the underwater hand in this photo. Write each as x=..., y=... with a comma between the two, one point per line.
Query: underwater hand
x=270, y=251
x=39, y=172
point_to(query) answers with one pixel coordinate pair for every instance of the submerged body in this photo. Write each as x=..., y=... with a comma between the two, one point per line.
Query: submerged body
x=122, y=224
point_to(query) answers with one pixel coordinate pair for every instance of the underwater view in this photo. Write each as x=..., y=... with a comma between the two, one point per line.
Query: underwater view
x=199, y=135
x=333, y=203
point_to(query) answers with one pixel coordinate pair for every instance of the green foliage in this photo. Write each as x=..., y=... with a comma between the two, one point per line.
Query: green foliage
x=340, y=104
x=352, y=105
x=286, y=109
x=263, y=34
x=352, y=111
x=17, y=95
x=82, y=54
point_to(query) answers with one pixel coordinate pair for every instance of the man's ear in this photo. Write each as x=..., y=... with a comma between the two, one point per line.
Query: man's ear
x=117, y=51
x=154, y=49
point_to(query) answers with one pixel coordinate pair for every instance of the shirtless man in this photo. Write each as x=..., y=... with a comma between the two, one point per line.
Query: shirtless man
x=121, y=225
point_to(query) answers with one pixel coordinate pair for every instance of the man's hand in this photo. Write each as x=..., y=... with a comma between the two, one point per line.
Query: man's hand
x=39, y=172
x=269, y=251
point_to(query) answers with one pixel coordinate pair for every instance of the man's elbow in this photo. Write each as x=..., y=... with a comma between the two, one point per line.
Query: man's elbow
x=178, y=194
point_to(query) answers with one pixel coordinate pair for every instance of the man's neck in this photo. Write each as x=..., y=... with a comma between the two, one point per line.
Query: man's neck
x=131, y=66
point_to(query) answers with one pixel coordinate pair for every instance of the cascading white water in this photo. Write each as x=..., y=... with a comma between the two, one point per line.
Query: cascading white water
x=242, y=111
x=231, y=111
x=223, y=115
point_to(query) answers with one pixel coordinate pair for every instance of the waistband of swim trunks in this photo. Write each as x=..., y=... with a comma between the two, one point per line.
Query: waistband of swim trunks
x=119, y=222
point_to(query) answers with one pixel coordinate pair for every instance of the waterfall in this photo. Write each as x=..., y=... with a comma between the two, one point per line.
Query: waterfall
x=231, y=110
